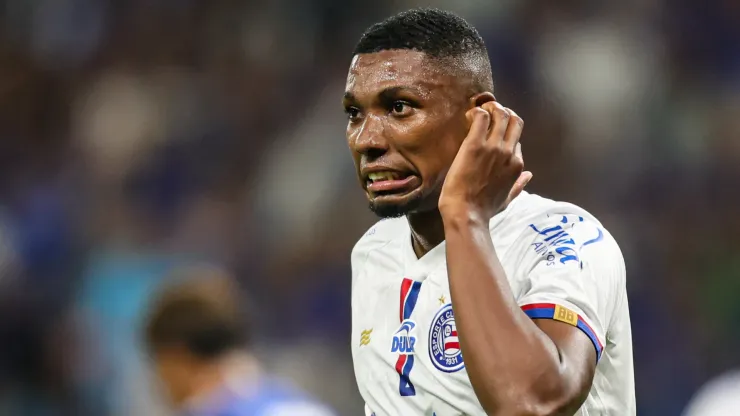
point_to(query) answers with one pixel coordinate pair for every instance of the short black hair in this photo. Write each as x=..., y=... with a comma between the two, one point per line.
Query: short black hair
x=437, y=33
x=199, y=312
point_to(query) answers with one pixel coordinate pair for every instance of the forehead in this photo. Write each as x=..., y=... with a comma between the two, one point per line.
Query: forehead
x=376, y=71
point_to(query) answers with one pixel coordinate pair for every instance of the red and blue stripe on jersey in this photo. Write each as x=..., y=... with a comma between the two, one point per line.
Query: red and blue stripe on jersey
x=409, y=295
x=547, y=311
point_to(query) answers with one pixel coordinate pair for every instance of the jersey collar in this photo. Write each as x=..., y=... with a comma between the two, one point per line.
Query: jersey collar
x=419, y=269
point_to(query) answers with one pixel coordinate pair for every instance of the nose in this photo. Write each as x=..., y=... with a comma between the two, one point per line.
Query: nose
x=368, y=139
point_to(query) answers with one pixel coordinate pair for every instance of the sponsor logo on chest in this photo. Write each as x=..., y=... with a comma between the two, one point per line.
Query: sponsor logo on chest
x=403, y=340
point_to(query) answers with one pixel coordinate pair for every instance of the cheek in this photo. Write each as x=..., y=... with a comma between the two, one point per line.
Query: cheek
x=356, y=157
x=433, y=149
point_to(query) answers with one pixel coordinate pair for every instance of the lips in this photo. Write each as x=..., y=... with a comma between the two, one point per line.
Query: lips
x=387, y=182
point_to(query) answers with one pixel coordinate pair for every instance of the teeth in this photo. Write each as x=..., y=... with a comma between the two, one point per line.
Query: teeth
x=382, y=176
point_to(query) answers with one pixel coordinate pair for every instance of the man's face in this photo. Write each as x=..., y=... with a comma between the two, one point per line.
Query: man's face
x=406, y=124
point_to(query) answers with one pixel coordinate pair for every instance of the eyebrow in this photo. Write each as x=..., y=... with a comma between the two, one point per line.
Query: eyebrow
x=386, y=93
x=348, y=96
x=391, y=92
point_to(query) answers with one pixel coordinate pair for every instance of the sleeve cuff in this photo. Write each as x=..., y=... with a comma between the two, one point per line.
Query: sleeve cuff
x=563, y=314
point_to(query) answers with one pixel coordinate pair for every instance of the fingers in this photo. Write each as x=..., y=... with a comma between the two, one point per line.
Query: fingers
x=518, y=152
x=522, y=181
x=479, y=120
x=519, y=186
x=506, y=127
x=499, y=128
x=499, y=122
x=513, y=133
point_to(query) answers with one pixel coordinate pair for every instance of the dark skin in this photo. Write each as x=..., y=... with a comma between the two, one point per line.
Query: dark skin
x=410, y=115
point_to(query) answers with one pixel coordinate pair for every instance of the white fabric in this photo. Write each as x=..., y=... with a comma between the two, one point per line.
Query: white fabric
x=552, y=252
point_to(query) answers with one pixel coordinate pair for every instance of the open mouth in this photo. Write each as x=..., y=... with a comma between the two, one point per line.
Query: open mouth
x=389, y=182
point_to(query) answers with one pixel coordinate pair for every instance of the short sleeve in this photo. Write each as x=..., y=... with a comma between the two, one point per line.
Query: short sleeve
x=573, y=273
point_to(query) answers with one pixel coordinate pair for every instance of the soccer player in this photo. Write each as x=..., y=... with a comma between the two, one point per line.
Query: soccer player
x=197, y=337
x=471, y=296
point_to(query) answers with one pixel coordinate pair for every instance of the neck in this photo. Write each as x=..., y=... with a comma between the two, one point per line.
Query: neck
x=234, y=368
x=427, y=231
x=203, y=383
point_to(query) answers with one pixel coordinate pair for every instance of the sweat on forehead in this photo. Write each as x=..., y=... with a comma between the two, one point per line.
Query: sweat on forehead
x=411, y=67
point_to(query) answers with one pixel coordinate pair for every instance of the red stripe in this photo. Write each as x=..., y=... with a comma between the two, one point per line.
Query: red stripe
x=601, y=346
x=449, y=345
x=552, y=305
x=538, y=306
x=399, y=364
x=453, y=334
x=405, y=286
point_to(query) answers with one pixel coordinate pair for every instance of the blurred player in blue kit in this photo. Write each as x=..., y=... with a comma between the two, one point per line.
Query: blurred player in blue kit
x=198, y=339
x=470, y=296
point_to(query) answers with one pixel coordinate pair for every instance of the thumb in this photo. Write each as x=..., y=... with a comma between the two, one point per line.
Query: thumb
x=519, y=185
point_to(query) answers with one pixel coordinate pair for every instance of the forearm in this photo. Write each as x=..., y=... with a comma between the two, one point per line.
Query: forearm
x=513, y=366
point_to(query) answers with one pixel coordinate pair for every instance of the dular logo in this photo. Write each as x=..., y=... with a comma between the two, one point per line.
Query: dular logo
x=365, y=337
x=403, y=339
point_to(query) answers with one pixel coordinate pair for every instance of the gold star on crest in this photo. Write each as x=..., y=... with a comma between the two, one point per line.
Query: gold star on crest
x=442, y=300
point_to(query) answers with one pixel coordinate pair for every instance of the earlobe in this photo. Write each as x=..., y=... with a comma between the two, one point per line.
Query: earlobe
x=481, y=98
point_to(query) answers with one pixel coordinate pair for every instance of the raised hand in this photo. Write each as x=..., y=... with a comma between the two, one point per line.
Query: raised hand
x=487, y=172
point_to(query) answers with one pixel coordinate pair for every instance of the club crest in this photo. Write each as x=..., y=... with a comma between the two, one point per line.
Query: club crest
x=444, y=345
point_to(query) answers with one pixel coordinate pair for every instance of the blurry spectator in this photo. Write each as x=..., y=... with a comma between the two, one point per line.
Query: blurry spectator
x=719, y=397
x=199, y=342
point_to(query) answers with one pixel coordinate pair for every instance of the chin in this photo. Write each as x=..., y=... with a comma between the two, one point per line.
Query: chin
x=385, y=207
x=388, y=210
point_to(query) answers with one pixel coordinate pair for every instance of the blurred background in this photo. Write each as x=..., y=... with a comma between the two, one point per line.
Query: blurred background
x=142, y=135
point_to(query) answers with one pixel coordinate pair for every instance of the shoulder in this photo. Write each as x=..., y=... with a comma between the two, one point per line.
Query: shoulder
x=536, y=219
x=530, y=208
x=552, y=238
x=564, y=256
x=378, y=237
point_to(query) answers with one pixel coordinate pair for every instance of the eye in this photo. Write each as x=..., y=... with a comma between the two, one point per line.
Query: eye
x=401, y=108
x=352, y=113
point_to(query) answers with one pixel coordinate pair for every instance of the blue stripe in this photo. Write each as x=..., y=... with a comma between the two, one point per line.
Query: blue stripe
x=540, y=313
x=413, y=295
x=549, y=313
x=595, y=240
x=409, y=364
x=406, y=388
x=582, y=326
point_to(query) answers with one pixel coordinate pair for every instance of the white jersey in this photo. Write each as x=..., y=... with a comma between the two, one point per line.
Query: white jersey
x=561, y=264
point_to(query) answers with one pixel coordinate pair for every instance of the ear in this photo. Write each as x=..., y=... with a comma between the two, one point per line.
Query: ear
x=481, y=98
